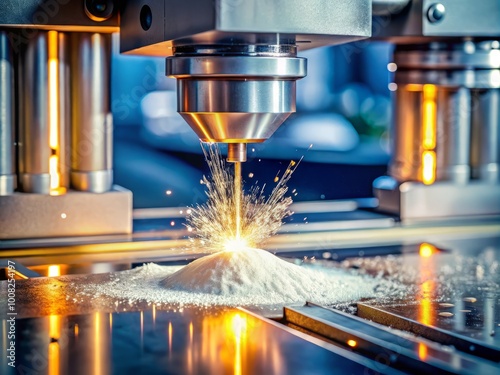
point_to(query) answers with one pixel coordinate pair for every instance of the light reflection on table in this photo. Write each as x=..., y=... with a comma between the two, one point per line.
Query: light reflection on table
x=154, y=341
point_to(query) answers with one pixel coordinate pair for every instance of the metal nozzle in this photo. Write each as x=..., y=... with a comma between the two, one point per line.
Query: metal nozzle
x=235, y=93
x=236, y=152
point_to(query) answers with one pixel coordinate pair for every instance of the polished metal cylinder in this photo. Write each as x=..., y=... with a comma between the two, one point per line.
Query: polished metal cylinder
x=488, y=122
x=44, y=114
x=442, y=139
x=235, y=93
x=64, y=109
x=249, y=96
x=7, y=118
x=240, y=111
x=34, y=147
x=92, y=125
x=453, y=142
x=406, y=160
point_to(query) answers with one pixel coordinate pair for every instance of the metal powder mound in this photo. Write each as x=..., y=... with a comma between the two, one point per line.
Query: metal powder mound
x=238, y=278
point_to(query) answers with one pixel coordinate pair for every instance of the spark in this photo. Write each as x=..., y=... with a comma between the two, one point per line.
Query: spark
x=233, y=218
x=238, y=193
x=236, y=244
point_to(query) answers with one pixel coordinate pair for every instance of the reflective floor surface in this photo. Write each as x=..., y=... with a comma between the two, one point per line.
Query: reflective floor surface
x=452, y=298
x=186, y=341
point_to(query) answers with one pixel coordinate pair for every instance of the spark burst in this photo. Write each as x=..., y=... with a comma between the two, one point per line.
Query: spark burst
x=231, y=218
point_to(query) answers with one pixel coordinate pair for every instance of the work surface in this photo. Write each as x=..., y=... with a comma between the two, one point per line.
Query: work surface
x=453, y=287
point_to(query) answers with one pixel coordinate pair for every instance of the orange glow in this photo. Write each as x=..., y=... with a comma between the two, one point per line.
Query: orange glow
x=429, y=120
x=170, y=332
x=54, y=172
x=77, y=330
x=239, y=329
x=429, y=117
x=425, y=312
x=352, y=343
x=189, y=352
x=422, y=351
x=234, y=340
x=54, y=350
x=54, y=270
x=53, y=76
x=55, y=326
x=427, y=250
x=57, y=190
x=53, y=87
x=154, y=315
x=110, y=322
x=428, y=167
x=414, y=87
x=428, y=285
x=97, y=344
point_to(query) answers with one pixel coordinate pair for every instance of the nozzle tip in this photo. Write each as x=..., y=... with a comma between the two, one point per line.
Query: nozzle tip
x=236, y=152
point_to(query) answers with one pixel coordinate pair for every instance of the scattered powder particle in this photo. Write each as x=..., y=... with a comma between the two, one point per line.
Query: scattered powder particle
x=470, y=299
x=443, y=304
x=236, y=278
x=445, y=314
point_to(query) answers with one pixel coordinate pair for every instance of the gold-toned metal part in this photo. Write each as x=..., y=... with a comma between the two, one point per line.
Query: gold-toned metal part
x=236, y=153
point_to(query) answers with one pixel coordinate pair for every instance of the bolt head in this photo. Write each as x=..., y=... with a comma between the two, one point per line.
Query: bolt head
x=436, y=13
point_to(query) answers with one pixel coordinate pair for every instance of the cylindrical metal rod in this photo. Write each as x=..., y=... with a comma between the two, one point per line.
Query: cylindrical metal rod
x=488, y=112
x=91, y=135
x=44, y=114
x=35, y=151
x=442, y=139
x=458, y=134
x=235, y=93
x=64, y=110
x=405, y=163
x=7, y=154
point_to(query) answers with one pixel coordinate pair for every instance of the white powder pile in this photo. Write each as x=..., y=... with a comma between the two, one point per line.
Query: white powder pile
x=236, y=278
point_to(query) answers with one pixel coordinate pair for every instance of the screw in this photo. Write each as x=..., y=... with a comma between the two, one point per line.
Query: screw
x=436, y=13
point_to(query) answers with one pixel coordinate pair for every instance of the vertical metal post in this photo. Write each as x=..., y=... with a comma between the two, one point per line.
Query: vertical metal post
x=458, y=133
x=35, y=151
x=488, y=113
x=7, y=154
x=64, y=110
x=91, y=131
x=442, y=140
x=44, y=114
x=405, y=163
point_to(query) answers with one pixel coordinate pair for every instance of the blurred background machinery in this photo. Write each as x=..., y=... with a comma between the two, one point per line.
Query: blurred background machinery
x=82, y=126
x=430, y=69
